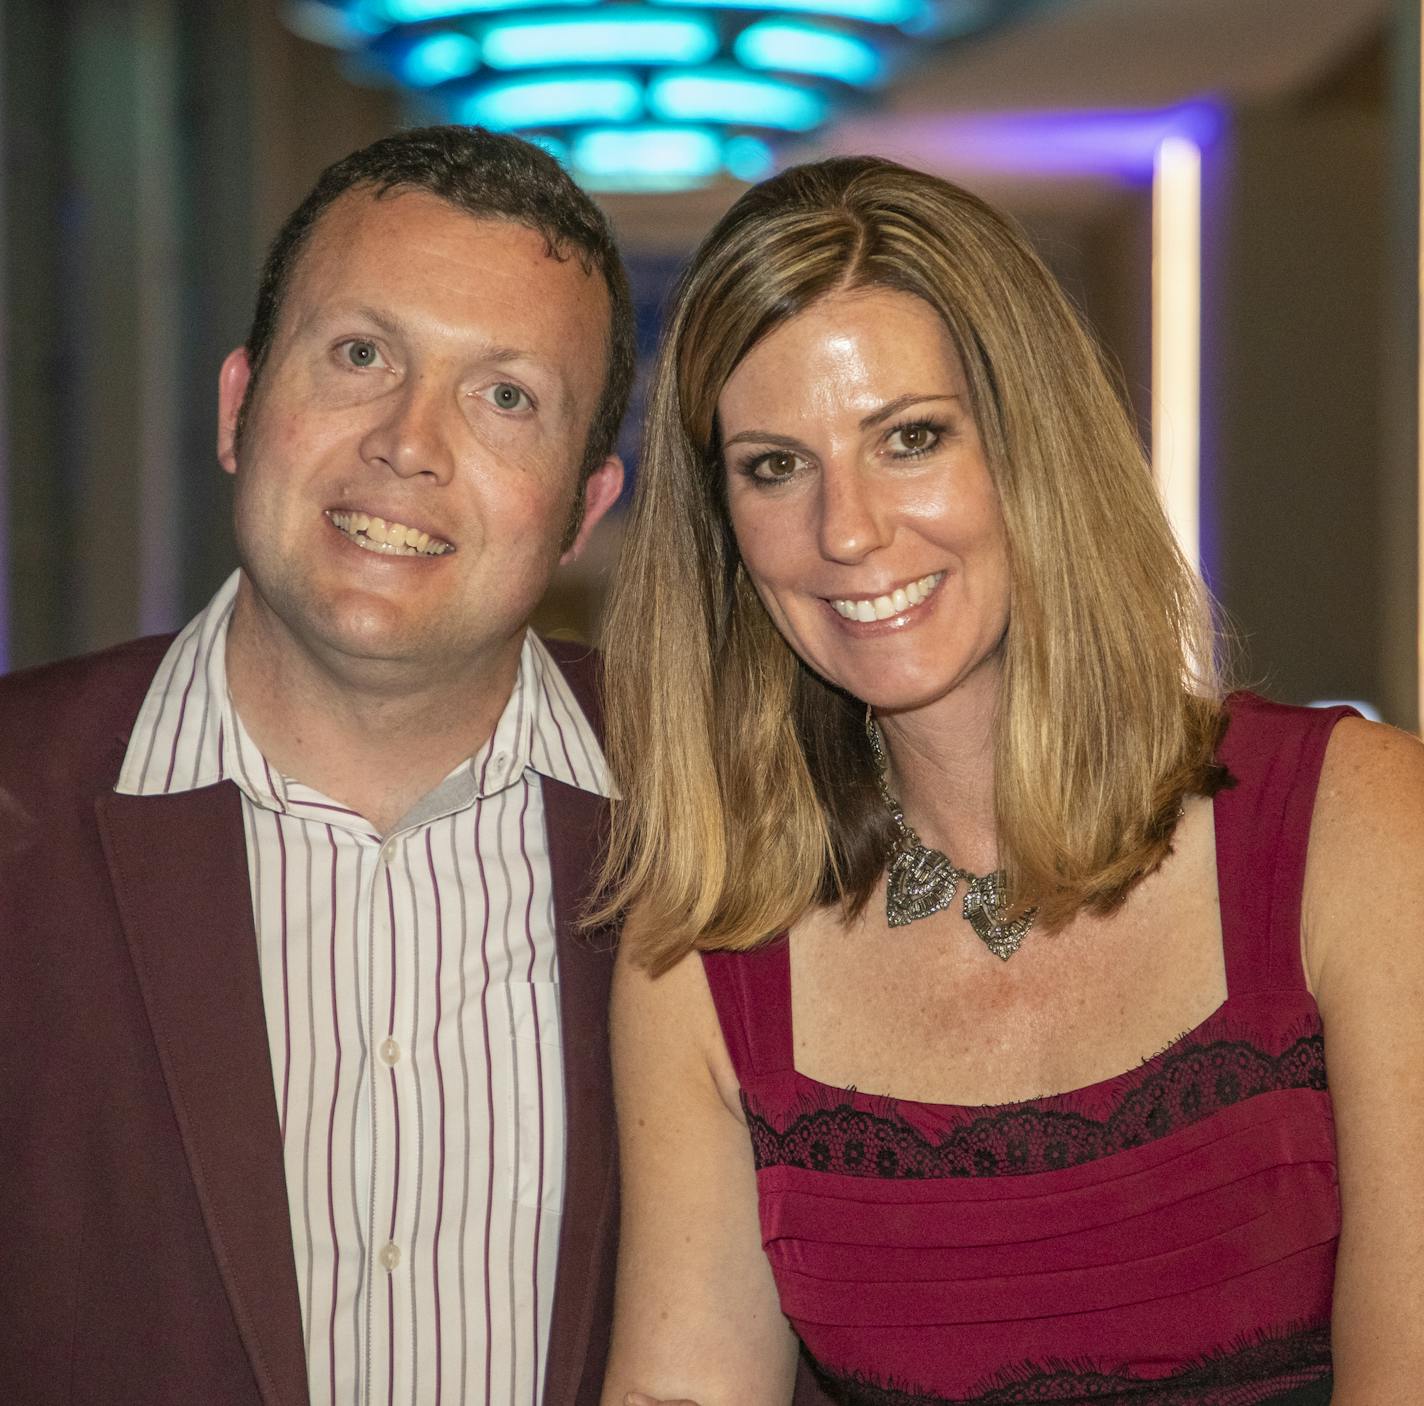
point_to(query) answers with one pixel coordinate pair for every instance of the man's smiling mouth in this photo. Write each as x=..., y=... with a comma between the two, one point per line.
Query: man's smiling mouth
x=896, y=602
x=395, y=539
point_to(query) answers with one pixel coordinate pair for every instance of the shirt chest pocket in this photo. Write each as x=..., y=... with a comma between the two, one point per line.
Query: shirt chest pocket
x=527, y=1075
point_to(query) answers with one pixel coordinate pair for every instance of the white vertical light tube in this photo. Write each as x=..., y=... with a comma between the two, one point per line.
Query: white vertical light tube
x=1176, y=338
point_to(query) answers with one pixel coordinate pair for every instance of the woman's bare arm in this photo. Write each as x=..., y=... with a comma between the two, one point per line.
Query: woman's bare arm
x=1364, y=946
x=697, y=1315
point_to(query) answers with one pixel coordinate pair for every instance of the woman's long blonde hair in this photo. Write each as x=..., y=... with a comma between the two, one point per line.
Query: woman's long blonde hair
x=747, y=787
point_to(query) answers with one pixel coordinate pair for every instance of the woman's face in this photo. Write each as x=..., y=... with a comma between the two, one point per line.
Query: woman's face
x=861, y=501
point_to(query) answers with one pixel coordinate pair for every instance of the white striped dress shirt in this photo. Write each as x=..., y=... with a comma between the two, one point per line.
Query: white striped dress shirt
x=410, y=985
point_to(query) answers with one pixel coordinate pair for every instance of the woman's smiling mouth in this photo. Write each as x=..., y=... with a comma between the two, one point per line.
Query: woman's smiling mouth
x=897, y=602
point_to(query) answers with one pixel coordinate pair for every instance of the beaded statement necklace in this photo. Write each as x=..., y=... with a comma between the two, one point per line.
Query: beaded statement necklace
x=921, y=881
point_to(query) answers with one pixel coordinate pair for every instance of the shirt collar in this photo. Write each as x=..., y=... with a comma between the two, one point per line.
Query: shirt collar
x=188, y=733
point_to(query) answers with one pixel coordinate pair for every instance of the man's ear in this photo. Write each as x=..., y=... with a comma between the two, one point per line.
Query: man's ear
x=600, y=493
x=233, y=381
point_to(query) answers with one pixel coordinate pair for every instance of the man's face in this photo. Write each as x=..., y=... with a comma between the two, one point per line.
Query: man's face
x=409, y=463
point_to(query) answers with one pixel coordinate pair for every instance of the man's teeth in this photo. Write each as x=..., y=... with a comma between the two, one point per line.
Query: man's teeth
x=901, y=599
x=393, y=538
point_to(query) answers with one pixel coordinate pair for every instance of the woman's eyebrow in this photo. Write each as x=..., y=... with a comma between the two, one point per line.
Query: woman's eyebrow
x=876, y=417
x=901, y=402
x=784, y=441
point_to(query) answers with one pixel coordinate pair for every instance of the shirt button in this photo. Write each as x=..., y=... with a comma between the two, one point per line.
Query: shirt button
x=390, y=1051
x=388, y=851
x=390, y=1255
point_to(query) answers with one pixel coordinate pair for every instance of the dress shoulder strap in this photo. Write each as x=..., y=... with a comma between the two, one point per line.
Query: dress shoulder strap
x=1273, y=752
x=752, y=994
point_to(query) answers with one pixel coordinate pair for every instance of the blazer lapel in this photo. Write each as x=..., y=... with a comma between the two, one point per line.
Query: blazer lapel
x=179, y=868
x=577, y=826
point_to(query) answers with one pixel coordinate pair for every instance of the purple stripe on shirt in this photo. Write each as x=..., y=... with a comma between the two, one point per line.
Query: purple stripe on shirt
x=286, y=983
x=331, y=1134
x=562, y=701
x=160, y=692
x=538, y=1068
x=309, y=946
x=440, y=1087
x=489, y=1102
x=396, y=1143
x=418, y=1177
x=202, y=732
x=272, y=785
x=390, y=1030
x=178, y=726
x=323, y=805
x=516, y=1156
x=458, y=870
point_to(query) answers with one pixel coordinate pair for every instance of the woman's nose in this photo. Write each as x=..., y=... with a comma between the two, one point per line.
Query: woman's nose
x=854, y=516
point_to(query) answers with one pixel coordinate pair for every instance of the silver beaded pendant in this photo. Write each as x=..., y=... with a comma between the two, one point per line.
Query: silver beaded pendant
x=983, y=903
x=919, y=881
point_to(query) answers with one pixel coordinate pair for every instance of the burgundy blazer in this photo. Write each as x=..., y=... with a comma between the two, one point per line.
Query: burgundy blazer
x=145, y=1245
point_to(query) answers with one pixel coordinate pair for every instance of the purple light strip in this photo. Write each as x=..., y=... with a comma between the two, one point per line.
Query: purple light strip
x=1119, y=144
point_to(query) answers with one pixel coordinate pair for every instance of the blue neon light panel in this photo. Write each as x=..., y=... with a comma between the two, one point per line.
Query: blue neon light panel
x=731, y=97
x=551, y=102
x=621, y=36
x=787, y=46
x=419, y=11
x=647, y=158
x=438, y=58
x=867, y=11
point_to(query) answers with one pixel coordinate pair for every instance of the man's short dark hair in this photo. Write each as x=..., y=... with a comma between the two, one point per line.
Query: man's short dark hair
x=492, y=176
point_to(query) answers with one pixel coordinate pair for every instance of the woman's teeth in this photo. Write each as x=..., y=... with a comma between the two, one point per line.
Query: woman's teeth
x=901, y=599
x=393, y=538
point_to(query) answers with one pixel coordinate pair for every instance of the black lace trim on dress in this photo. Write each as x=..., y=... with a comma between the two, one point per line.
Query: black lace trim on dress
x=1292, y=1367
x=1019, y=1139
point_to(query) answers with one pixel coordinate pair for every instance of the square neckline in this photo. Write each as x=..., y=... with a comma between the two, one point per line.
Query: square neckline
x=1237, y=974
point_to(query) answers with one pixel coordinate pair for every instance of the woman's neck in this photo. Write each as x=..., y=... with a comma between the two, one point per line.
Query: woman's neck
x=941, y=769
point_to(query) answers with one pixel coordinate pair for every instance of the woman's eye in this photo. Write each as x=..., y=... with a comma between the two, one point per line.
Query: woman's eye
x=913, y=439
x=361, y=354
x=504, y=396
x=773, y=467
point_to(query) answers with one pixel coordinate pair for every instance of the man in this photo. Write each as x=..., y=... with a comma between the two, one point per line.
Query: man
x=305, y=1090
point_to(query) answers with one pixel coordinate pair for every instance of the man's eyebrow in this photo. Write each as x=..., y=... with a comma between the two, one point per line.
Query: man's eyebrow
x=321, y=317
x=504, y=355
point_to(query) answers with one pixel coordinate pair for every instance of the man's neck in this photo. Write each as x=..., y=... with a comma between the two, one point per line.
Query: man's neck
x=375, y=739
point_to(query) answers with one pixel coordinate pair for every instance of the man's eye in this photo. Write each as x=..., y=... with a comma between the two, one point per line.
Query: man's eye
x=504, y=396
x=361, y=354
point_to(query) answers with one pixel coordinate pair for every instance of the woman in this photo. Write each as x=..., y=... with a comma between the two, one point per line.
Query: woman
x=937, y=834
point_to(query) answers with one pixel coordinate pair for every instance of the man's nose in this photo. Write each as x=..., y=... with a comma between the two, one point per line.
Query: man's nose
x=854, y=514
x=413, y=435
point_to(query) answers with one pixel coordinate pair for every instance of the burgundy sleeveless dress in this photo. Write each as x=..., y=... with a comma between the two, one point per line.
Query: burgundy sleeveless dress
x=1163, y=1238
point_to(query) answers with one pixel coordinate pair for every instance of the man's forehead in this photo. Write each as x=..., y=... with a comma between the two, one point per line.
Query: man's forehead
x=380, y=232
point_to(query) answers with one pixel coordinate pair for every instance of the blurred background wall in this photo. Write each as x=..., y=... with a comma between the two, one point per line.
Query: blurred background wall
x=151, y=148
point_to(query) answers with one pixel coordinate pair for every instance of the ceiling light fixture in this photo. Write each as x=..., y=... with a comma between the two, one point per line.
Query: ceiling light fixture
x=647, y=94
